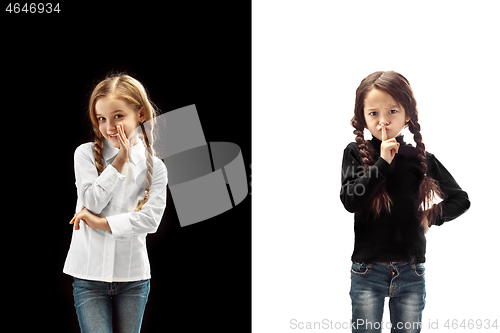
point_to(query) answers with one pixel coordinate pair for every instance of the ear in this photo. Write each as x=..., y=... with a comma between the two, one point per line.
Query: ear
x=141, y=115
x=407, y=123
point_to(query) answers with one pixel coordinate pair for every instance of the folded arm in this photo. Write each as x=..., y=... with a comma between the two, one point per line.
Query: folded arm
x=95, y=191
x=359, y=184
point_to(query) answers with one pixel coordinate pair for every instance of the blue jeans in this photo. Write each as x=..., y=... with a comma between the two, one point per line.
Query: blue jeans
x=104, y=307
x=402, y=282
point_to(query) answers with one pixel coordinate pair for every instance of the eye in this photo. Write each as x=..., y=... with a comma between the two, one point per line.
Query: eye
x=118, y=116
x=393, y=111
x=373, y=113
x=101, y=119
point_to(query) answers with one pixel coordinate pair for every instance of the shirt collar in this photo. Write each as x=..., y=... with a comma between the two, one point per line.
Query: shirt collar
x=109, y=151
x=137, y=153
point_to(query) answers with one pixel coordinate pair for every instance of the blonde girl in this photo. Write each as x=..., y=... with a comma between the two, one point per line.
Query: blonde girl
x=121, y=189
x=389, y=186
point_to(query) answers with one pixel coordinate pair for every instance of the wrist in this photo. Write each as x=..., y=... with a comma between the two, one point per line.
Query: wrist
x=118, y=164
x=387, y=159
x=105, y=225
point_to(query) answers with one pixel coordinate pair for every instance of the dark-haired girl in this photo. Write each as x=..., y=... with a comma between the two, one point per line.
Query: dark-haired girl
x=390, y=187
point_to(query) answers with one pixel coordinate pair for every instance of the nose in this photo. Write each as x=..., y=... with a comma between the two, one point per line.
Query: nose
x=111, y=126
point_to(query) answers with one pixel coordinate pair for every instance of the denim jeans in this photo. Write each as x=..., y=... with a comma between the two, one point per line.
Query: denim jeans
x=104, y=307
x=402, y=282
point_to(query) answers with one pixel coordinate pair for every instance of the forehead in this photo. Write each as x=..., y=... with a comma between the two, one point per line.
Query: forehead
x=377, y=98
x=106, y=105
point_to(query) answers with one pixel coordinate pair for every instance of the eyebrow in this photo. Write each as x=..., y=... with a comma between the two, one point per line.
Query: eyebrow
x=112, y=112
x=389, y=108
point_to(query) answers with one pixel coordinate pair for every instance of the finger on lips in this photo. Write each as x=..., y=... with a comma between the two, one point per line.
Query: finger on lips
x=384, y=133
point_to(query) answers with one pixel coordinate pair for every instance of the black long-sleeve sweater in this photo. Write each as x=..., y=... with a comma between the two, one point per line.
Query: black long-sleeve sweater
x=395, y=235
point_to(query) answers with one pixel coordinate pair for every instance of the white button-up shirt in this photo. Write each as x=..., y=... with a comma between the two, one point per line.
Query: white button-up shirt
x=119, y=255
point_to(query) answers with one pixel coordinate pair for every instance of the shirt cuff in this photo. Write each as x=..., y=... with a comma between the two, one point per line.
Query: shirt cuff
x=121, y=228
x=383, y=166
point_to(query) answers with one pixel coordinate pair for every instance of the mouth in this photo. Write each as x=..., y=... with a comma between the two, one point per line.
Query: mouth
x=113, y=136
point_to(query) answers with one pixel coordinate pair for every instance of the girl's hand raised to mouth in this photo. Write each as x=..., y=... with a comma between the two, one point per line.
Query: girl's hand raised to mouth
x=389, y=147
x=123, y=154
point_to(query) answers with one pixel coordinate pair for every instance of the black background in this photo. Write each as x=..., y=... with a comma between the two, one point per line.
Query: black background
x=198, y=53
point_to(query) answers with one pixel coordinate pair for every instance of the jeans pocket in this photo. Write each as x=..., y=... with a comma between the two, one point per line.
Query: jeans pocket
x=360, y=269
x=418, y=270
x=138, y=288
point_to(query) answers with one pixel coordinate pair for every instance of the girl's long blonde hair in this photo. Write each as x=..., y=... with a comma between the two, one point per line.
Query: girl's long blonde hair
x=130, y=90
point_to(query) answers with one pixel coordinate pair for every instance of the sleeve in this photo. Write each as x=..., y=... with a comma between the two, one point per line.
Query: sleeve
x=455, y=201
x=94, y=191
x=358, y=184
x=147, y=220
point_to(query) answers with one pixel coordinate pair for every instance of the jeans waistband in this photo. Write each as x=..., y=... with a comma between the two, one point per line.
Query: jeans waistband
x=393, y=263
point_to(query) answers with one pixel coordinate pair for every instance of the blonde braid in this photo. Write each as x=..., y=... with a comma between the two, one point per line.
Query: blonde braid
x=98, y=151
x=149, y=164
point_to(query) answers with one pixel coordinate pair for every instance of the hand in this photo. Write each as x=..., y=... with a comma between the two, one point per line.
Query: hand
x=123, y=154
x=389, y=147
x=93, y=221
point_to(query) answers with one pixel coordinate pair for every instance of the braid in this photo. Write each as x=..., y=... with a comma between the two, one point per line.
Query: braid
x=414, y=128
x=429, y=187
x=98, y=150
x=149, y=164
x=381, y=199
x=365, y=150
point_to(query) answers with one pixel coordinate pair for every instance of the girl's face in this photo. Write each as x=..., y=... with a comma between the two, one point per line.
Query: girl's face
x=381, y=108
x=110, y=112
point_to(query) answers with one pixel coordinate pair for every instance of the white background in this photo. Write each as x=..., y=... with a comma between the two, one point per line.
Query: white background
x=308, y=59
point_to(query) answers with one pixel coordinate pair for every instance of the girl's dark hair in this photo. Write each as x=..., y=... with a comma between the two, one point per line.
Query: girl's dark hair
x=399, y=88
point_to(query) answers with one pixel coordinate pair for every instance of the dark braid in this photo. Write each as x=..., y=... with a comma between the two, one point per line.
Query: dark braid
x=365, y=149
x=429, y=187
x=381, y=199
